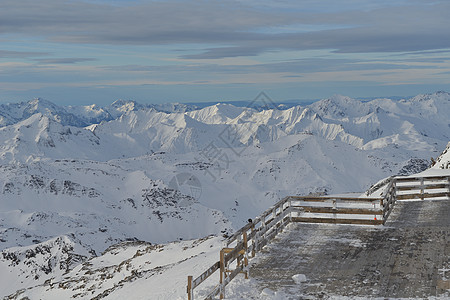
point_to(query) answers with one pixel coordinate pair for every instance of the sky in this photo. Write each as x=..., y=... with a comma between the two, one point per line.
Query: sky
x=79, y=52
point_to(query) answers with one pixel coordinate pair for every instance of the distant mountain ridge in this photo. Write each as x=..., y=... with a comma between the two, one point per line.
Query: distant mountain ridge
x=81, y=116
x=128, y=129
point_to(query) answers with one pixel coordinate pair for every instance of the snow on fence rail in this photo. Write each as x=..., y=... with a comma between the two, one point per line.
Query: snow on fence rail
x=407, y=188
x=255, y=235
x=337, y=210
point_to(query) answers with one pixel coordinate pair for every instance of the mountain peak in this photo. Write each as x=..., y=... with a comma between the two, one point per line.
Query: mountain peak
x=120, y=102
x=340, y=107
x=39, y=104
x=120, y=107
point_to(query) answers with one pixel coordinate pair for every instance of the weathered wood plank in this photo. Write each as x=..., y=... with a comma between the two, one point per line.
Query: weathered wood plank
x=425, y=186
x=340, y=210
x=337, y=221
x=205, y=275
x=234, y=253
x=426, y=178
x=328, y=198
x=420, y=196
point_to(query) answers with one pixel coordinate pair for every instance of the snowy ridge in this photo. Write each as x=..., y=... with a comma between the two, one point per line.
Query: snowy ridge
x=130, y=268
x=376, y=124
x=443, y=161
x=33, y=265
x=85, y=205
x=79, y=116
x=73, y=116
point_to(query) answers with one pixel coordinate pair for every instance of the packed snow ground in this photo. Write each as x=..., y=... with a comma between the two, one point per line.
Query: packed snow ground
x=408, y=258
x=137, y=175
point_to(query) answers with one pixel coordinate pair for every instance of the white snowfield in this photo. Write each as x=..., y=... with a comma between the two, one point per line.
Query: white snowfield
x=149, y=183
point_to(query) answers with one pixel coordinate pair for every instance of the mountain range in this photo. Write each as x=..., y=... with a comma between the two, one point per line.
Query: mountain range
x=88, y=190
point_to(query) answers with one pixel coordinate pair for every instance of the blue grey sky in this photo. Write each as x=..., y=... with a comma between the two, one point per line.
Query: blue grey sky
x=92, y=51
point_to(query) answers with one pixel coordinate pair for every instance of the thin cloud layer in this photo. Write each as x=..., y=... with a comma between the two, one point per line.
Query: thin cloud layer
x=199, y=42
x=412, y=27
x=20, y=54
x=67, y=60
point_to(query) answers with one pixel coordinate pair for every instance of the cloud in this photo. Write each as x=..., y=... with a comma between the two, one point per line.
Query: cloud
x=215, y=53
x=146, y=23
x=427, y=52
x=232, y=28
x=20, y=54
x=223, y=47
x=296, y=67
x=71, y=60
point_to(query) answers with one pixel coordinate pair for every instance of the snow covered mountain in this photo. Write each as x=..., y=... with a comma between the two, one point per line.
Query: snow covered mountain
x=79, y=116
x=136, y=130
x=76, y=181
x=74, y=116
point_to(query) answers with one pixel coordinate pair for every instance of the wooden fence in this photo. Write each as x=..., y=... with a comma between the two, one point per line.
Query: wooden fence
x=337, y=210
x=244, y=243
x=410, y=188
x=255, y=235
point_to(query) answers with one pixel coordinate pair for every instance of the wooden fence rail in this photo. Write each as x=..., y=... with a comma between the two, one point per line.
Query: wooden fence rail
x=251, y=238
x=337, y=210
x=410, y=188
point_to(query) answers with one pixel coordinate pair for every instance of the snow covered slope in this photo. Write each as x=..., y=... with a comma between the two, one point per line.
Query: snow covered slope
x=130, y=270
x=27, y=266
x=443, y=161
x=76, y=181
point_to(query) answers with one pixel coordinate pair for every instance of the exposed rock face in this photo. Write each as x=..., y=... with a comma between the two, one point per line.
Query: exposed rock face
x=414, y=165
x=443, y=161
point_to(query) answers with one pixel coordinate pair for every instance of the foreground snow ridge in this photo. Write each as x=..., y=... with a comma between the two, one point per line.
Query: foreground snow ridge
x=129, y=268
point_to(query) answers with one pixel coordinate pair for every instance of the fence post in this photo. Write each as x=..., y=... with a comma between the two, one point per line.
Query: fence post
x=190, y=292
x=264, y=230
x=334, y=208
x=374, y=208
x=245, y=255
x=254, y=240
x=290, y=210
x=448, y=187
x=421, y=189
x=394, y=184
x=395, y=189
x=238, y=241
x=222, y=274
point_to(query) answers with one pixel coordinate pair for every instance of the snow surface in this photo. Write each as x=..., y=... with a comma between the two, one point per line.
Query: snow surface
x=76, y=181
